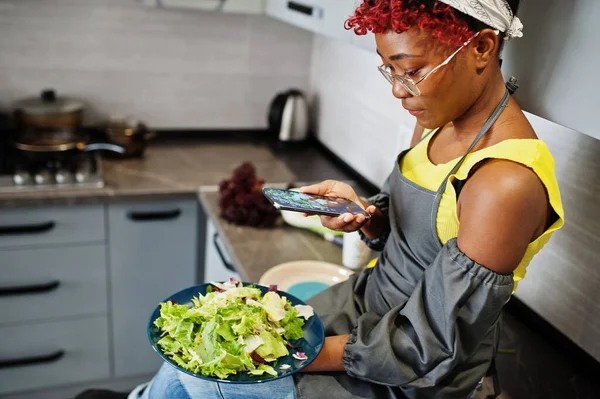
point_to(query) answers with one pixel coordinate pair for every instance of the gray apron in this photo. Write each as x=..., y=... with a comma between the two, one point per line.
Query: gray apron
x=376, y=297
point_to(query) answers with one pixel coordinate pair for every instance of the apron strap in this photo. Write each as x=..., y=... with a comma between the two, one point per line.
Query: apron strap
x=486, y=126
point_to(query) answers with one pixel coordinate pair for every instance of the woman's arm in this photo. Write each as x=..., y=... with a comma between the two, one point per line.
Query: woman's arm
x=330, y=358
x=502, y=208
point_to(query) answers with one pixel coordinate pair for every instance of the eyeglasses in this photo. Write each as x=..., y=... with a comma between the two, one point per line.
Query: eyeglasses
x=410, y=84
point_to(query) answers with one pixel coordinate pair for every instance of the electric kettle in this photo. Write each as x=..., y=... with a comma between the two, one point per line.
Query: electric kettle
x=288, y=117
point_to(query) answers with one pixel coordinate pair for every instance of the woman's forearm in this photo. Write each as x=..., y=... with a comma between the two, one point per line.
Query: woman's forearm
x=331, y=356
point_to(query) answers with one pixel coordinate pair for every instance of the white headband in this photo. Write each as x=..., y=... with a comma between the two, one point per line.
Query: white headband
x=494, y=13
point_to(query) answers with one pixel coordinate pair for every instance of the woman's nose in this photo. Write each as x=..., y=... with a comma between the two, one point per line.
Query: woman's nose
x=399, y=90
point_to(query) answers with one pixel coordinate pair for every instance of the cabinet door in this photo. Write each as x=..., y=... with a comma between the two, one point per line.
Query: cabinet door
x=335, y=13
x=366, y=42
x=52, y=225
x=152, y=255
x=52, y=282
x=53, y=353
x=307, y=14
x=217, y=263
x=235, y=6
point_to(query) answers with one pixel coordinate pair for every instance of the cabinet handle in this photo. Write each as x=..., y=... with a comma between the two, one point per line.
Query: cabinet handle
x=227, y=264
x=29, y=289
x=28, y=361
x=156, y=215
x=27, y=228
x=311, y=11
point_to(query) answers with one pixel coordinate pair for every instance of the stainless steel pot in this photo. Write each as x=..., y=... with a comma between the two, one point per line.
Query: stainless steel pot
x=48, y=112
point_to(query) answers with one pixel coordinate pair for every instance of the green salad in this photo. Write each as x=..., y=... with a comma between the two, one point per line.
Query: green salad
x=231, y=328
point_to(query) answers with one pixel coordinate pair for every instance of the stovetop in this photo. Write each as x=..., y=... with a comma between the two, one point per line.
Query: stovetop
x=18, y=173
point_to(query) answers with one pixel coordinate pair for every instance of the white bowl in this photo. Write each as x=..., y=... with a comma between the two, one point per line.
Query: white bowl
x=304, y=278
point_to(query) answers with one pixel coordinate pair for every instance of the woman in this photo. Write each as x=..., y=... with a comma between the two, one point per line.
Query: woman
x=457, y=221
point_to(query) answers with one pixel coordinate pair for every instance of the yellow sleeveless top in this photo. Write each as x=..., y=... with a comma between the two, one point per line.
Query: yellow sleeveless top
x=532, y=153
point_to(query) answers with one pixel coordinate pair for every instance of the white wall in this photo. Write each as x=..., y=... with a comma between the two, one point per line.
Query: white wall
x=556, y=62
x=171, y=68
x=356, y=114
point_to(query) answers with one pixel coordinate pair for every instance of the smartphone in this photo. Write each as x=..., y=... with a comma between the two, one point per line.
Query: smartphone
x=288, y=200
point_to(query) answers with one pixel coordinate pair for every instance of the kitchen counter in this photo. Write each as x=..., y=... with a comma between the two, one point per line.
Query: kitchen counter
x=171, y=168
x=254, y=251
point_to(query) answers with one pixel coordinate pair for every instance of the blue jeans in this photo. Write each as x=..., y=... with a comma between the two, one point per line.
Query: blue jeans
x=170, y=383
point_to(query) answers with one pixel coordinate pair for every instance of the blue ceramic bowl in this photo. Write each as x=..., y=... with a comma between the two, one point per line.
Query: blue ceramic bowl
x=311, y=344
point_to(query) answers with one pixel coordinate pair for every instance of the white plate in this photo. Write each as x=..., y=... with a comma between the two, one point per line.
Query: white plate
x=304, y=277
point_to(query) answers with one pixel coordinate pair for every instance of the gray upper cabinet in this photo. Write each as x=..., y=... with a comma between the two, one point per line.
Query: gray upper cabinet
x=153, y=254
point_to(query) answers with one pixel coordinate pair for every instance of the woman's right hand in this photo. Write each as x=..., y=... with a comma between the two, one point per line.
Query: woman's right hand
x=346, y=222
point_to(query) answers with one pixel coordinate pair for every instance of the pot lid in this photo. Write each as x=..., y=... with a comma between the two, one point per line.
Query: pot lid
x=48, y=103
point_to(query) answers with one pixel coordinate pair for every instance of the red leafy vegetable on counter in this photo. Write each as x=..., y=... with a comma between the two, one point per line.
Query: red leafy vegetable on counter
x=242, y=201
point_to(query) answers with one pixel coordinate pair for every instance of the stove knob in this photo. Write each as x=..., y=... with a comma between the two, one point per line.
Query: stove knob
x=63, y=177
x=82, y=176
x=21, y=178
x=43, y=177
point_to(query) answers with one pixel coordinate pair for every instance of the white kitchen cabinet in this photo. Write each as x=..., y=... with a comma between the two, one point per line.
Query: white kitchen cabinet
x=217, y=262
x=306, y=14
x=153, y=248
x=366, y=42
x=233, y=6
x=335, y=14
x=325, y=17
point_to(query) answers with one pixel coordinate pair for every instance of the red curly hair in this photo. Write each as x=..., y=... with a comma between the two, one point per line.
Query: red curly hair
x=446, y=24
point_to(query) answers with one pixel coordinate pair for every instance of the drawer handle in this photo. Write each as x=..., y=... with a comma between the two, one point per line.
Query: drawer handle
x=29, y=361
x=311, y=11
x=151, y=216
x=227, y=264
x=29, y=289
x=27, y=228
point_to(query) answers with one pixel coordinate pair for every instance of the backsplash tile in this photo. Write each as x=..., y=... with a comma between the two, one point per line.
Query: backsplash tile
x=170, y=68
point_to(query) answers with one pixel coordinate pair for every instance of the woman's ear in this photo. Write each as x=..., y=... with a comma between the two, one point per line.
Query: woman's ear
x=486, y=47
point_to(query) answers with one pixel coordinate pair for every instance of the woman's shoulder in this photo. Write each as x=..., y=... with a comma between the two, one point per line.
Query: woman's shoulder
x=504, y=200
